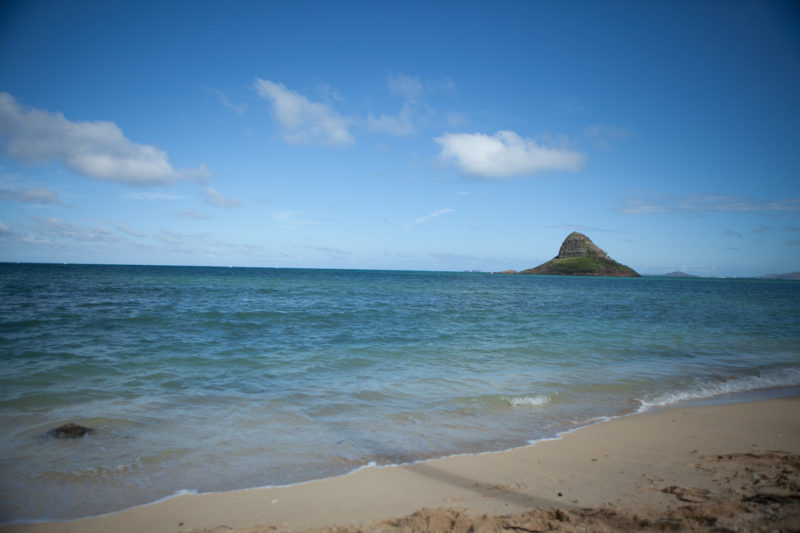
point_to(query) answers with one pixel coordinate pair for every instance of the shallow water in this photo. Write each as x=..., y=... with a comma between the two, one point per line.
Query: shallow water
x=214, y=378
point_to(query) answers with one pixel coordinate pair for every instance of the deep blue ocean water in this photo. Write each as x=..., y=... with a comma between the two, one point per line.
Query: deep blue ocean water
x=208, y=379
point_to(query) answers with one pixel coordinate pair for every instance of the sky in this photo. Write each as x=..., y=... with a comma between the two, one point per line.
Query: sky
x=401, y=135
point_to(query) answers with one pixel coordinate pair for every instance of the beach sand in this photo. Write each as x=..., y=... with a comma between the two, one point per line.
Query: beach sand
x=723, y=467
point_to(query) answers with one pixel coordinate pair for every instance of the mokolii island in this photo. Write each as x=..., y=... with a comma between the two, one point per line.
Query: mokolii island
x=579, y=256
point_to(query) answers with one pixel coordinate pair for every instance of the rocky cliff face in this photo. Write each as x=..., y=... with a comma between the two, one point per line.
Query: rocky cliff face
x=579, y=256
x=579, y=245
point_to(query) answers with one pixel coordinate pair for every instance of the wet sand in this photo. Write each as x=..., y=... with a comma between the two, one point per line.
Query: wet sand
x=724, y=467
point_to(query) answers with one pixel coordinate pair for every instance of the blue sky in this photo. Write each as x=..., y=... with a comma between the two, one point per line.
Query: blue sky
x=401, y=135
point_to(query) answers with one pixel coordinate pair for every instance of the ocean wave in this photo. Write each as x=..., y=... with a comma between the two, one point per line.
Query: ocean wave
x=529, y=401
x=706, y=388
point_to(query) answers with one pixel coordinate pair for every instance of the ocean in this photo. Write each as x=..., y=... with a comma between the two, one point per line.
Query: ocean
x=209, y=379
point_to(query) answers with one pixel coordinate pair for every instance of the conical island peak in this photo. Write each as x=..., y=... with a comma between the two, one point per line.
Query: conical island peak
x=579, y=245
x=579, y=256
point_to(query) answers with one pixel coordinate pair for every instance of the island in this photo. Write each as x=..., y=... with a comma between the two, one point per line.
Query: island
x=790, y=276
x=579, y=256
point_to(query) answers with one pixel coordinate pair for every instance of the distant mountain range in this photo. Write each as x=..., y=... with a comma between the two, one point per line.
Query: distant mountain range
x=790, y=275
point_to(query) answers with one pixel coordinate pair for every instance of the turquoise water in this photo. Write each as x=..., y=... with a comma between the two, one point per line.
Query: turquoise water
x=207, y=379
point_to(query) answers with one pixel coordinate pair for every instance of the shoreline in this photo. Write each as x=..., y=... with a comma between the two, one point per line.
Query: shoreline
x=727, y=398
x=618, y=460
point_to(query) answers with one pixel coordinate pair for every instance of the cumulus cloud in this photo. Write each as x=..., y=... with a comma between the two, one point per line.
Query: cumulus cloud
x=504, y=154
x=95, y=149
x=37, y=195
x=302, y=121
x=217, y=200
x=708, y=203
x=434, y=214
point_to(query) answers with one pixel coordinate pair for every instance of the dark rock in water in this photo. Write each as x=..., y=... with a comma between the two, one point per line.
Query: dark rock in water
x=579, y=256
x=70, y=431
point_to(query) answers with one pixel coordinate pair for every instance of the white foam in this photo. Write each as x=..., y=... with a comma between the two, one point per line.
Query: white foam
x=530, y=401
x=371, y=464
x=707, y=388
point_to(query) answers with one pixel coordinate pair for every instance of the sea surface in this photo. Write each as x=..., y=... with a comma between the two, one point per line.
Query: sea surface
x=210, y=379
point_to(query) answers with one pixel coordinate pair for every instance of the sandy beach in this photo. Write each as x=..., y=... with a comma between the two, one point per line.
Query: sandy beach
x=724, y=467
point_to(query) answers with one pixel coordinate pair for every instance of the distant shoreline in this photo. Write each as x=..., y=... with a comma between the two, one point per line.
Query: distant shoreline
x=790, y=276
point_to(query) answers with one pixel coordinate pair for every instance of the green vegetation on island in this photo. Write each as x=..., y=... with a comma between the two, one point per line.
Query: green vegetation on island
x=579, y=256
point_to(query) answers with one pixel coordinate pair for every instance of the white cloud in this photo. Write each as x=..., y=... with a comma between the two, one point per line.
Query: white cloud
x=195, y=215
x=399, y=125
x=129, y=231
x=329, y=251
x=92, y=149
x=454, y=119
x=239, y=109
x=181, y=241
x=64, y=230
x=604, y=136
x=38, y=195
x=302, y=121
x=217, y=200
x=328, y=93
x=577, y=227
x=434, y=214
x=415, y=113
x=204, y=244
x=504, y=154
x=405, y=87
x=159, y=196
x=709, y=203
